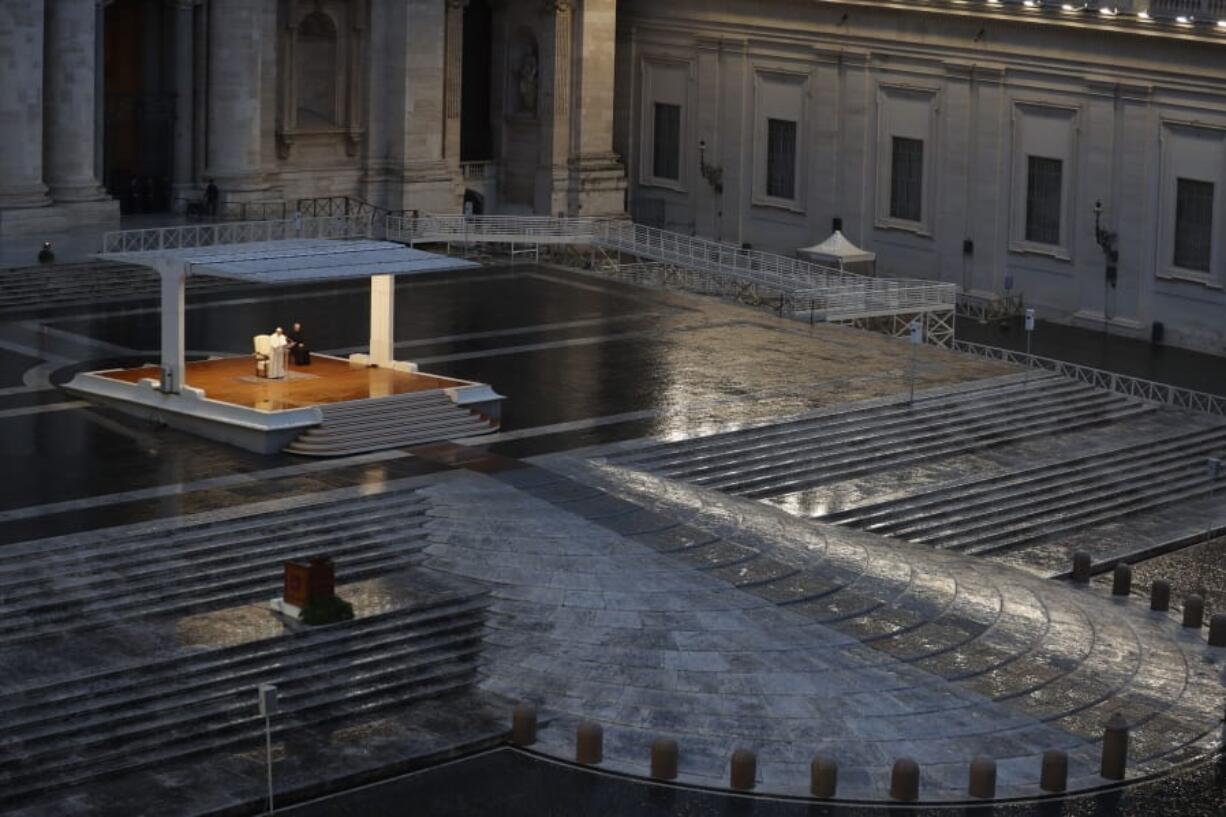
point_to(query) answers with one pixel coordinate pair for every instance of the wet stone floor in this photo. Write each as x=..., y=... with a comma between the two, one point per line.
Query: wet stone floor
x=697, y=521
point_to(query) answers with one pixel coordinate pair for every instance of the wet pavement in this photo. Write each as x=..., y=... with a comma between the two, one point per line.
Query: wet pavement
x=586, y=362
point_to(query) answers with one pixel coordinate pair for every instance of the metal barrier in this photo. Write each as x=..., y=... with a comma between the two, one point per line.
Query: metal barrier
x=237, y=232
x=1148, y=390
x=791, y=284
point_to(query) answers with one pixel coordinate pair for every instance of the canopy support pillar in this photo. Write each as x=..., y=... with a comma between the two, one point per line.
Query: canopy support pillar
x=382, y=320
x=174, y=344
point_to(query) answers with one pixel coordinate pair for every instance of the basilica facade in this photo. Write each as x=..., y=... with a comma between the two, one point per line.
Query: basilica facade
x=1074, y=154
x=139, y=104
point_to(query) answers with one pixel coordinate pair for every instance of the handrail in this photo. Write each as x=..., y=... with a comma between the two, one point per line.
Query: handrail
x=1148, y=390
x=841, y=293
x=186, y=236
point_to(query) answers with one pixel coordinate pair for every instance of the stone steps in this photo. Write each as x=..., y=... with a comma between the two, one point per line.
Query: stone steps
x=1010, y=510
x=53, y=285
x=394, y=422
x=201, y=567
x=76, y=730
x=799, y=473
x=664, y=456
x=954, y=425
x=887, y=516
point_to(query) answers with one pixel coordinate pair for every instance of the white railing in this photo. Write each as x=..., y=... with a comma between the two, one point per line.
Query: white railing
x=239, y=232
x=1148, y=390
x=478, y=171
x=842, y=293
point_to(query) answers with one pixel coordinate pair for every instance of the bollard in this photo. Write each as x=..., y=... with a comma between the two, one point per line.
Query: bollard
x=1160, y=596
x=983, y=778
x=1115, y=748
x=744, y=772
x=589, y=743
x=664, y=759
x=1193, y=611
x=523, y=725
x=1081, y=567
x=904, y=781
x=823, y=776
x=1217, y=630
x=1121, y=581
x=1054, y=776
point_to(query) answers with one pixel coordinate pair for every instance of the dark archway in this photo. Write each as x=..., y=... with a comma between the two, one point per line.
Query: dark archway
x=474, y=203
x=476, y=134
x=139, y=105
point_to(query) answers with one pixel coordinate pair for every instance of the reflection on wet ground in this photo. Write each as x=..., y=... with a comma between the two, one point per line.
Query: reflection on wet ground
x=582, y=362
x=1138, y=358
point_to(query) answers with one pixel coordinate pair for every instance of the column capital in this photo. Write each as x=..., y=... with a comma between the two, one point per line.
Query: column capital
x=557, y=6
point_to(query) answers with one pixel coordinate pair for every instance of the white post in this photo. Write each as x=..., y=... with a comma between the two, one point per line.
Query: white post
x=382, y=319
x=174, y=344
x=1029, y=332
x=917, y=337
x=268, y=706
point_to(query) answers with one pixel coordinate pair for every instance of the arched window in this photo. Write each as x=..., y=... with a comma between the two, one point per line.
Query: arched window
x=317, y=71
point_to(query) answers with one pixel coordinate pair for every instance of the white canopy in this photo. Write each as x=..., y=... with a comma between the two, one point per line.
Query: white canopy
x=838, y=249
x=298, y=261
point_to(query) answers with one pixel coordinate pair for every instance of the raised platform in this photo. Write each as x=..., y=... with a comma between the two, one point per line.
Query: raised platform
x=327, y=380
x=224, y=400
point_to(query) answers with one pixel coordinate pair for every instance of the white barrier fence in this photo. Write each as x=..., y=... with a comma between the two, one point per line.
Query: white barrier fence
x=236, y=232
x=1148, y=390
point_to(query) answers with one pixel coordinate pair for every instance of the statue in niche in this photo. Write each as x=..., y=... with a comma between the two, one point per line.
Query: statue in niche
x=529, y=71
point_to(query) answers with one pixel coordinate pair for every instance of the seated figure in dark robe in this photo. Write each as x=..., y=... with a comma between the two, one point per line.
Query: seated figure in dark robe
x=299, y=352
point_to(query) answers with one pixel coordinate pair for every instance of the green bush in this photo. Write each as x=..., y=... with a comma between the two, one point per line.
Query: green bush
x=326, y=611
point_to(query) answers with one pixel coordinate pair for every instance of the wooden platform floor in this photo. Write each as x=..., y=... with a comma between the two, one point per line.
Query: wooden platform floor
x=326, y=380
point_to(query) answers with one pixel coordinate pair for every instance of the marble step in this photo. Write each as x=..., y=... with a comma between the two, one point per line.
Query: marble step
x=344, y=444
x=886, y=416
x=954, y=520
x=297, y=519
x=903, y=508
x=968, y=436
x=241, y=585
x=390, y=403
x=161, y=561
x=145, y=711
x=1109, y=506
x=947, y=423
x=850, y=412
x=392, y=688
x=420, y=420
x=853, y=466
x=412, y=412
x=169, y=676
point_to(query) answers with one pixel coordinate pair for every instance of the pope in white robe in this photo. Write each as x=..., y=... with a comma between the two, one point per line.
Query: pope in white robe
x=280, y=348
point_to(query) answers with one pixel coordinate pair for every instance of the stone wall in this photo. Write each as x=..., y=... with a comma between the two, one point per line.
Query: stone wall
x=1125, y=109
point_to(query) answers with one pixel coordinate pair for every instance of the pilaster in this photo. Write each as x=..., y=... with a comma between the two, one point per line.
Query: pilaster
x=21, y=104
x=68, y=100
x=235, y=111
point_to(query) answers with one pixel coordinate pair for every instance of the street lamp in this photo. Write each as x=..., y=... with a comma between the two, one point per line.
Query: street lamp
x=1107, y=241
x=714, y=175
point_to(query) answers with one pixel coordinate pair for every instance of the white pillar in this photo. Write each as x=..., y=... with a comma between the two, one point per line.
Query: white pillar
x=185, y=106
x=235, y=116
x=68, y=100
x=174, y=344
x=21, y=104
x=382, y=319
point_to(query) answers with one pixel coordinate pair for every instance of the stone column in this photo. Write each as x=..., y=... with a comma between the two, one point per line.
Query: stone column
x=382, y=320
x=68, y=100
x=21, y=104
x=553, y=175
x=185, y=108
x=235, y=42
x=597, y=177
x=454, y=73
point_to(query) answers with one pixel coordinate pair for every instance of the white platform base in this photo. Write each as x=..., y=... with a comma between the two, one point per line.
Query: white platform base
x=285, y=608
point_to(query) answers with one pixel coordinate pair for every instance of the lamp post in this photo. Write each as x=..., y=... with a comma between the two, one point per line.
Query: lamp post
x=1107, y=242
x=1029, y=359
x=268, y=707
x=917, y=337
x=714, y=175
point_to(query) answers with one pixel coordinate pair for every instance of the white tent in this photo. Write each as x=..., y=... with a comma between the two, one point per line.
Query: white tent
x=837, y=251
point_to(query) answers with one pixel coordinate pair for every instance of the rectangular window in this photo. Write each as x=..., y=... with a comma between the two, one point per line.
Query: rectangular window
x=907, y=179
x=666, y=160
x=1193, y=224
x=781, y=159
x=1044, y=192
